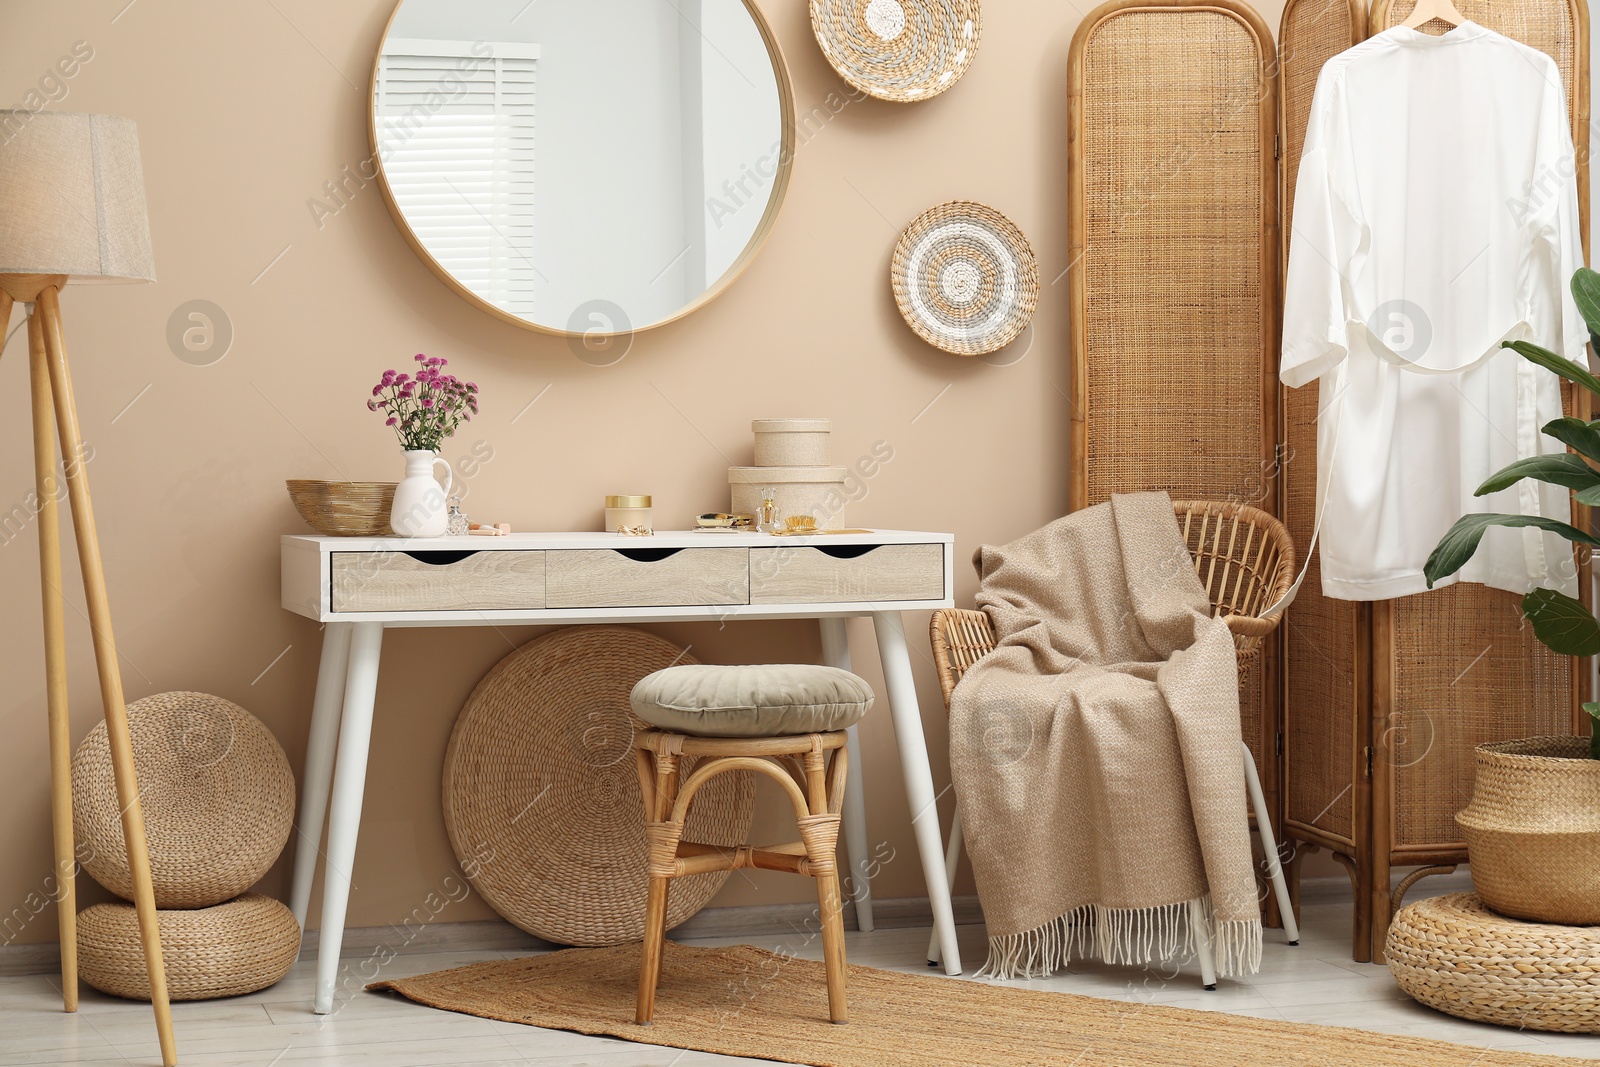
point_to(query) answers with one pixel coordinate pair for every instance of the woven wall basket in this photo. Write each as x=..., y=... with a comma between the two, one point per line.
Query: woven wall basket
x=1533, y=830
x=221, y=951
x=898, y=50
x=541, y=791
x=965, y=278
x=217, y=793
x=1454, y=954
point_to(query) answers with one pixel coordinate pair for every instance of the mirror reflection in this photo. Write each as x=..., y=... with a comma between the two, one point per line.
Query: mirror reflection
x=588, y=166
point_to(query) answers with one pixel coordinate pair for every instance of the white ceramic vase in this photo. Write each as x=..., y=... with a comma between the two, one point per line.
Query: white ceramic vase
x=419, y=501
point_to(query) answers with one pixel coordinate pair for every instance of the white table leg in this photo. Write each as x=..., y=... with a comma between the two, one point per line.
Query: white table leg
x=349, y=781
x=952, y=858
x=919, y=778
x=836, y=653
x=317, y=778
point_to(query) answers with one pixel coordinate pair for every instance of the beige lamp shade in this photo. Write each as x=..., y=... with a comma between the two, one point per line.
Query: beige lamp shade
x=72, y=197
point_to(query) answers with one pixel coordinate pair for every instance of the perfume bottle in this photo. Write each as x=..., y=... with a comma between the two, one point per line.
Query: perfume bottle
x=456, y=524
x=767, y=516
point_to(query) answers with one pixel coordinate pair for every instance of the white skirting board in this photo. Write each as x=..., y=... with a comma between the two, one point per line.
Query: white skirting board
x=755, y=921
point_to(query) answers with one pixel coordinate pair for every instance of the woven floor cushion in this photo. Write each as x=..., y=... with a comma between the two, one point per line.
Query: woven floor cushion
x=217, y=793
x=771, y=700
x=1454, y=954
x=222, y=951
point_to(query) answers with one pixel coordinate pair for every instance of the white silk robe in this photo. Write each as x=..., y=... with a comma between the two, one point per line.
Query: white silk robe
x=1435, y=215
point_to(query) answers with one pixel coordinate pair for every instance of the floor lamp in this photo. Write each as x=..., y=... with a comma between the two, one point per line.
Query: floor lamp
x=72, y=208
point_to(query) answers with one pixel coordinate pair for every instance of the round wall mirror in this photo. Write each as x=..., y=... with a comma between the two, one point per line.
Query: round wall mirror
x=581, y=167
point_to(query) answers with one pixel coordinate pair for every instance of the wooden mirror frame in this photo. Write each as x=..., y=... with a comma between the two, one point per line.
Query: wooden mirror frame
x=780, y=190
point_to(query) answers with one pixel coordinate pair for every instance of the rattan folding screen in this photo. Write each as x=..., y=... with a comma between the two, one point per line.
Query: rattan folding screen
x=1173, y=275
x=1175, y=262
x=1385, y=702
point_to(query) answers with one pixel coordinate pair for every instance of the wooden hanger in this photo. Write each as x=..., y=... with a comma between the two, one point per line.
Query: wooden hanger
x=1428, y=10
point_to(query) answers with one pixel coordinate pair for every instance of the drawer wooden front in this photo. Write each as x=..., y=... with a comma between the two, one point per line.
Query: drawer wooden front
x=438, y=581
x=846, y=574
x=646, y=577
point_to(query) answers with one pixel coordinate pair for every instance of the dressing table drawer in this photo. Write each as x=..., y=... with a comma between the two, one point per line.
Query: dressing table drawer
x=437, y=581
x=846, y=574
x=647, y=577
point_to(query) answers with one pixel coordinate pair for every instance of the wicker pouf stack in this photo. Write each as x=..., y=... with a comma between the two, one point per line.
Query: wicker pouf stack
x=218, y=799
x=792, y=458
x=1523, y=950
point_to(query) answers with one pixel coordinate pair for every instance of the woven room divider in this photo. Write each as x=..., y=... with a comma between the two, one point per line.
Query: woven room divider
x=1385, y=702
x=1173, y=272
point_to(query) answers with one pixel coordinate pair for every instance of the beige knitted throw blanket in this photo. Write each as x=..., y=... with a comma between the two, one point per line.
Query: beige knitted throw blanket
x=1095, y=751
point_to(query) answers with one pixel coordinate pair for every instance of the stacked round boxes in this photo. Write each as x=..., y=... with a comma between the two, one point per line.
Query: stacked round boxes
x=792, y=459
x=218, y=799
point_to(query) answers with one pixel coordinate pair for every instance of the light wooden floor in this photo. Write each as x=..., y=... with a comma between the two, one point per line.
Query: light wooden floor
x=1315, y=982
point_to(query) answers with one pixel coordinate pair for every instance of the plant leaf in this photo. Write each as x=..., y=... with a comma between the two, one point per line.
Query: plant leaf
x=1563, y=468
x=1461, y=540
x=1593, y=708
x=1576, y=434
x=1562, y=622
x=1547, y=359
x=1589, y=498
x=1586, y=294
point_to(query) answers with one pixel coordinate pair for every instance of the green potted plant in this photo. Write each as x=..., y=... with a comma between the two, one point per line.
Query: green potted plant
x=1533, y=826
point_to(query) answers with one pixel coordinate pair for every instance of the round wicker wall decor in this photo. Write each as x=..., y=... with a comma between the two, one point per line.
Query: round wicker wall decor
x=965, y=278
x=217, y=793
x=898, y=50
x=541, y=790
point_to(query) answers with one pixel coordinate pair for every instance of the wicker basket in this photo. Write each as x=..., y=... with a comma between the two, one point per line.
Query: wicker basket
x=344, y=509
x=1533, y=830
x=1454, y=954
x=222, y=951
x=898, y=50
x=217, y=792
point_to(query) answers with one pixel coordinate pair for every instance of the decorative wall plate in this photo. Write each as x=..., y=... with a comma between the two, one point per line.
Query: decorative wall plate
x=898, y=50
x=965, y=278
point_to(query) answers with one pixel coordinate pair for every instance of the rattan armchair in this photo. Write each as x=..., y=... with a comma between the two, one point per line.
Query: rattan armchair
x=1245, y=559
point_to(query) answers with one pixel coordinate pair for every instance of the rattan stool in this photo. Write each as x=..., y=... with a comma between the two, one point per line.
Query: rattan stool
x=811, y=770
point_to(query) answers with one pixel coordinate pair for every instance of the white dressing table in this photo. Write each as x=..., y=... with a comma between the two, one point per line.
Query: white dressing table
x=359, y=587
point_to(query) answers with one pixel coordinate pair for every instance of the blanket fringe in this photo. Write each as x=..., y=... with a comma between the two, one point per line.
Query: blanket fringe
x=1134, y=936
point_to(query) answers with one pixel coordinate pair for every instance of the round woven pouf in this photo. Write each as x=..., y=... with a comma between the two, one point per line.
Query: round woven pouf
x=1454, y=954
x=217, y=794
x=222, y=951
x=898, y=50
x=965, y=278
x=541, y=790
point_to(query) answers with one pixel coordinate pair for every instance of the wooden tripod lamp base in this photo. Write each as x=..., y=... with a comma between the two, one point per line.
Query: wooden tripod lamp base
x=55, y=412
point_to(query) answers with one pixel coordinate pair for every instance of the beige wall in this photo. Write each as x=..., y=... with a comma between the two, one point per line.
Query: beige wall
x=245, y=110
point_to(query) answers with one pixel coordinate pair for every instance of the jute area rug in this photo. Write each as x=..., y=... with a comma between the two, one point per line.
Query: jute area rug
x=746, y=1001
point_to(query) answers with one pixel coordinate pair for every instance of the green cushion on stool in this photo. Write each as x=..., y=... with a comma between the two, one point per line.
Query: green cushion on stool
x=776, y=700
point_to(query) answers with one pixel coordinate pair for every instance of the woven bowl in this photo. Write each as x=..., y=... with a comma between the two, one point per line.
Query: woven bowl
x=222, y=951
x=1533, y=830
x=344, y=509
x=1454, y=954
x=217, y=794
x=898, y=50
x=965, y=278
